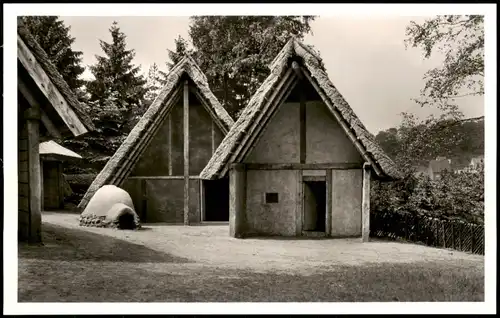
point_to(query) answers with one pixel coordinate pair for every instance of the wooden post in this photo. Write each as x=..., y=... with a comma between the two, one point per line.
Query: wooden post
x=302, y=129
x=144, y=200
x=460, y=231
x=472, y=241
x=365, y=210
x=170, y=145
x=186, y=153
x=443, y=230
x=60, y=183
x=35, y=183
x=202, y=201
x=329, y=186
x=237, y=200
x=299, y=213
x=42, y=203
x=452, y=235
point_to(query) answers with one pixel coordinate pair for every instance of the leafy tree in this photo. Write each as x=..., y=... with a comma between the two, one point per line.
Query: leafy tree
x=423, y=140
x=54, y=37
x=388, y=140
x=459, y=196
x=234, y=51
x=116, y=75
x=461, y=39
x=454, y=196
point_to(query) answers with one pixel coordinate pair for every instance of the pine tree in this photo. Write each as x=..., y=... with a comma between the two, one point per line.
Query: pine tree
x=54, y=37
x=116, y=75
x=181, y=48
x=153, y=84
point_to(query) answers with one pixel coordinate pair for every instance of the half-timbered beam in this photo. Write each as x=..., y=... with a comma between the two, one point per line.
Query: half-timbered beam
x=186, y=152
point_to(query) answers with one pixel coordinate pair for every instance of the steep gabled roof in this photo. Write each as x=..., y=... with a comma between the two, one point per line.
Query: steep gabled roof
x=314, y=70
x=54, y=75
x=120, y=164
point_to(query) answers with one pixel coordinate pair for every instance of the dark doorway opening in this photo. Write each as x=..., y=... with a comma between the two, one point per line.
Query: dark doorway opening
x=126, y=222
x=314, y=206
x=216, y=200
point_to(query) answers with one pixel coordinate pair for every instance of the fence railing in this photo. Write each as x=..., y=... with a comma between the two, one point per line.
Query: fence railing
x=454, y=234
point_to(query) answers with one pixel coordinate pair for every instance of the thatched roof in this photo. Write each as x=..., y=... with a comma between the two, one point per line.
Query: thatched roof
x=311, y=63
x=120, y=164
x=55, y=77
x=53, y=149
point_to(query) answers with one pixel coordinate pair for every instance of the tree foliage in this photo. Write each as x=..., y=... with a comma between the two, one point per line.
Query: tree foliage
x=461, y=40
x=417, y=141
x=181, y=48
x=54, y=37
x=154, y=84
x=234, y=51
x=114, y=103
x=115, y=75
x=454, y=196
x=413, y=144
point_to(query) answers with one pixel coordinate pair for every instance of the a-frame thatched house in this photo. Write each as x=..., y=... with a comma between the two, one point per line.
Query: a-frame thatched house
x=160, y=161
x=299, y=160
x=47, y=109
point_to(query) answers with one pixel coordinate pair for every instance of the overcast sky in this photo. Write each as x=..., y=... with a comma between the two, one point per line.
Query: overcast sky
x=365, y=59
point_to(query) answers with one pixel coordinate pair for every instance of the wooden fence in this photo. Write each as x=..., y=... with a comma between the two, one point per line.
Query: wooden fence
x=458, y=235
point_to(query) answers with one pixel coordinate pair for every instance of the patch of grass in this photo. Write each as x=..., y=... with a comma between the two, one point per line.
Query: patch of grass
x=78, y=266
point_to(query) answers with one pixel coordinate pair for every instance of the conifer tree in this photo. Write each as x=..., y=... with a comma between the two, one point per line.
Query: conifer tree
x=116, y=75
x=54, y=37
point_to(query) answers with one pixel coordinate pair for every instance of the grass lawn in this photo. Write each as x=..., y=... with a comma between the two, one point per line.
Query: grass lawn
x=76, y=265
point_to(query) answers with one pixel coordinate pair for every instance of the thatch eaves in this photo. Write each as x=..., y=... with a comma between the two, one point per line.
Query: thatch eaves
x=53, y=74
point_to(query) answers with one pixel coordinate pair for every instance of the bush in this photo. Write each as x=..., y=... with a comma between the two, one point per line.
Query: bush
x=453, y=196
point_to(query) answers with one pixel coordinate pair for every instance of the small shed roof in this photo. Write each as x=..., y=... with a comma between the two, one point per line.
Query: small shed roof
x=51, y=149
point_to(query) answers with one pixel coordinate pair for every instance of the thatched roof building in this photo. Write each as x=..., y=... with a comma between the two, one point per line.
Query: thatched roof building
x=311, y=63
x=172, y=141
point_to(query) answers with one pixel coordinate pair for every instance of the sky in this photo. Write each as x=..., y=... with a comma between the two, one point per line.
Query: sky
x=365, y=58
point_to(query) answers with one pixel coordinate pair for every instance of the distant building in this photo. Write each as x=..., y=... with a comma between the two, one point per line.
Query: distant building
x=476, y=163
x=438, y=166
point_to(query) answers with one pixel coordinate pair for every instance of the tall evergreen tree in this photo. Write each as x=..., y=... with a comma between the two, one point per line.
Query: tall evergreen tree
x=181, y=48
x=116, y=75
x=54, y=37
x=153, y=84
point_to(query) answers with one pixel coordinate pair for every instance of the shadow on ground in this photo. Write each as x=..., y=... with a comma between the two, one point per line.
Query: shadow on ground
x=67, y=244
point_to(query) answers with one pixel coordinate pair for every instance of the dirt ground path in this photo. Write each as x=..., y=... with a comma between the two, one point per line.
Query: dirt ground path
x=211, y=245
